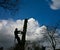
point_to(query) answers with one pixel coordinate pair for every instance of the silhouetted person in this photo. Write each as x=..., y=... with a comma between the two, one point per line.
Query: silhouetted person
x=16, y=32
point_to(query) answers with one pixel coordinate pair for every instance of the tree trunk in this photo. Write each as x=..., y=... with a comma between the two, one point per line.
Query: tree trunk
x=24, y=34
x=53, y=47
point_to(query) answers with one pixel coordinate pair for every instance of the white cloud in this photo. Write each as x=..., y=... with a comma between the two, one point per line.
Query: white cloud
x=7, y=27
x=55, y=4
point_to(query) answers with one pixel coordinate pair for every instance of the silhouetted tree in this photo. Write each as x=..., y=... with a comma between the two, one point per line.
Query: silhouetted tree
x=24, y=33
x=50, y=35
x=21, y=43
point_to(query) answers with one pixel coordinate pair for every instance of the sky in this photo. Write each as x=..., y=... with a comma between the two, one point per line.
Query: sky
x=46, y=12
x=39, y=13
x=7, y=27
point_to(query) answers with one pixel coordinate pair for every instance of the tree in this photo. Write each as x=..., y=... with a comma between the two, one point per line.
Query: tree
x=24, y=33
x=52, y=40
x=21, y=43
x=51, y=35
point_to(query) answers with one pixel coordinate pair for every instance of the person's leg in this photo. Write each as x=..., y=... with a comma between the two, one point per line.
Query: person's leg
x=18, y=39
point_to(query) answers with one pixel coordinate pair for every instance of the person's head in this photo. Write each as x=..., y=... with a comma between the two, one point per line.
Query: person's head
x=16, y=29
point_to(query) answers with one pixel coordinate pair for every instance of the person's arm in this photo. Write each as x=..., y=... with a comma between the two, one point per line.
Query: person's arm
x=20, y=32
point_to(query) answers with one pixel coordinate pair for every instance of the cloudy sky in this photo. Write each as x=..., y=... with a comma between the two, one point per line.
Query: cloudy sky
x=7, y=27
x=39, y=13
x=47, y=12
